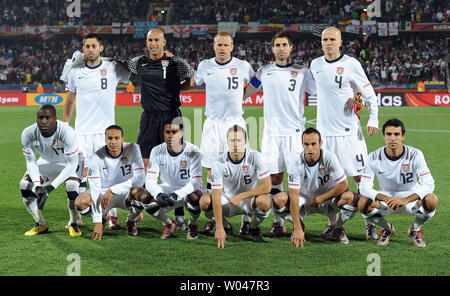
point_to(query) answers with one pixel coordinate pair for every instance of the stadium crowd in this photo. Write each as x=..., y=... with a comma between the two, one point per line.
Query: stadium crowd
x=104, y=12
x=400, y=60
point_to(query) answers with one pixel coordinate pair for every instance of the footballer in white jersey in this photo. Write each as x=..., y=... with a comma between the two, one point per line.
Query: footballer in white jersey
x=116, y=179
x=317, y=176
x=284, y=85
x=405, y=181
x=235, y=189
x=177, y=164
x=55, y=142
x=92, y=81
x=225, y=78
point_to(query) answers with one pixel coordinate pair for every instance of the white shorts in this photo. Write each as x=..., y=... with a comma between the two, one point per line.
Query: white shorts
x=244, y=208
x=350, y=150
x=49, y=171
x=116, y=201
x=214, y=138
x=90, y=143
x=410, y=208
x=326, y=208
x=277, y=151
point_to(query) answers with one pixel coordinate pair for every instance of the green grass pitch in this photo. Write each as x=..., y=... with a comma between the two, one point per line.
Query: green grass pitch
x=427, y=129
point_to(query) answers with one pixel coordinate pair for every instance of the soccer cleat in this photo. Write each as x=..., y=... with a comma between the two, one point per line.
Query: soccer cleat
x=227, y=227
x=192, y=231
x=140, y=218
x=417, y=238
x=245, y=228
x=210, y=228
x=74, y=230
x=277, y=230
x=113, y=222
x=168, y=230
x=79, y=223
x=37, y=229
x=328, y=233
x=131, y=228
x=385, y=236
x=341, y=236
x=371, y=232
x=257, y=236
x=179, y=220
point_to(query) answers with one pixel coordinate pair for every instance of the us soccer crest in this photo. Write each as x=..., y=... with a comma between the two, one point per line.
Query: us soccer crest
x=339, y=70
x=103, y=72
x=245, y=169
x=291, y=178
x=294, y=74
x=233, y=71
x=322, y=171
x=405, y=167
x=164, y=63
x=123, y=160
x=183, y=164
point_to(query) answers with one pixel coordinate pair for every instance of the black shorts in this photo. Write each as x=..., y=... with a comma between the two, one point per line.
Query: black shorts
x=151, y=129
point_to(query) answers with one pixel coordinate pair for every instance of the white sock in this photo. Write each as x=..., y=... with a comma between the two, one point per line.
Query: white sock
x=422, y=217
x=258, y=217
x=31, y=205
x=73, y=213
x=347, y=212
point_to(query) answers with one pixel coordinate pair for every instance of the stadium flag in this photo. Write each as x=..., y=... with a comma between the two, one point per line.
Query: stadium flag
x=382, y=29
x=199, y=30
x=119, y=28
x=230, y=27
x=318, y=28
x=84, y=30
x=344, y=23
x=354, y=28
x=405, y=25
x=393, y=28
x=369, y=27
x=140, y=29
x=253, y=27
x=35, y=31
x=47, y=35
x=181, y=31
x=291, y=27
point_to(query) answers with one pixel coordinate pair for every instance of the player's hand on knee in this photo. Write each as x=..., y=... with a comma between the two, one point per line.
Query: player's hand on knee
x=42, y=193
x=97, y=233
x=235, y=200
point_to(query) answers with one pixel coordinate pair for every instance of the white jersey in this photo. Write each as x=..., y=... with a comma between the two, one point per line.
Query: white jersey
x=397, y=175
x=95, y=89
x=337, y=81
x=318, y=178
x=235, y=178
x=284, y=93
x=224, y=86
x=119, y=174
x=183, y=170
x=61, y=147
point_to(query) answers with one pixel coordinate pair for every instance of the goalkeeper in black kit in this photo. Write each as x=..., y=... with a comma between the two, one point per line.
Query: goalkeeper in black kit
x=162, y=78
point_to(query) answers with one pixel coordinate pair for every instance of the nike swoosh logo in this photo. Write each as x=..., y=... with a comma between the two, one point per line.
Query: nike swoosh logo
x=143, y=65
x=209, y=73
x=381, y=173
x=270, y=73
x=318, y=72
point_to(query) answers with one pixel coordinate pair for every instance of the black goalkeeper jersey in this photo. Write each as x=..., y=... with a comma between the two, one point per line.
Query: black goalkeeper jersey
x=159, y=91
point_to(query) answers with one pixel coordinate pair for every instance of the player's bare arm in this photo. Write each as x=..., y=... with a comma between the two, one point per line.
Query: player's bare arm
x=219, y=236
x=69, y=106
x=263, y=188
x=335, y=191
x=298, y=236
x=250, y=91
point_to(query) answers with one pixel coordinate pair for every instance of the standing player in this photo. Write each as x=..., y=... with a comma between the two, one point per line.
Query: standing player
x=55, y=141
x=235, y=189
x=116, y=179
x=93, y=84
x=162, y=79
x=397, y=168
x=224, y=77
x=178, y=164
x=319, y=179
x=338, y=77
x=284, y=85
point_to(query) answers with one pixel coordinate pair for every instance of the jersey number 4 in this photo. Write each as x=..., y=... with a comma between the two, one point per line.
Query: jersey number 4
x=338, y=80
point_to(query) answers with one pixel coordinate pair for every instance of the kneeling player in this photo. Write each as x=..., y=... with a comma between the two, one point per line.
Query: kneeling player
x=397, y=168
x=235, y=189
x=116, y=177
x=55, y=141
x=317, y=176
x=178, y=164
